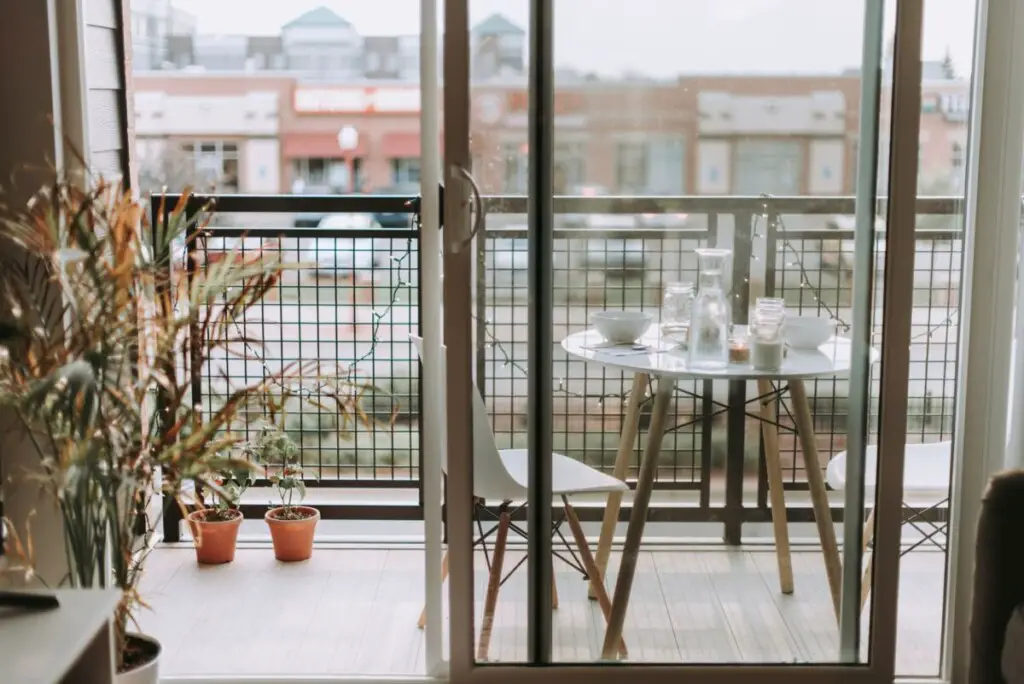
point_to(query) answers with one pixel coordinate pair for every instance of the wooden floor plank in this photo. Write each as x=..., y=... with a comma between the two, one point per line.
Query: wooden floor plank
x=699, y=625
x=391, y=639
x=760, y=632
x=807, y=612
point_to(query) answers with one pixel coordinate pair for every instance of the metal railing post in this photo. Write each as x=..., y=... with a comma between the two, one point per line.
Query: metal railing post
x=736, y=417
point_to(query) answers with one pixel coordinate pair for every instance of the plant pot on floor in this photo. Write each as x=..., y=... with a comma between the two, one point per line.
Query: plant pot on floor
x=292, y=533
x=216, y=533
x=142, y=660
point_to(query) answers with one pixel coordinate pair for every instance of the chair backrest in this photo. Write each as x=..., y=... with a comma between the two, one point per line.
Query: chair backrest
x=491, y=479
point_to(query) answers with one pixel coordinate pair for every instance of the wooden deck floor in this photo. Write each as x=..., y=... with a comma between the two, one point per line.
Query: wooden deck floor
x=353, y=611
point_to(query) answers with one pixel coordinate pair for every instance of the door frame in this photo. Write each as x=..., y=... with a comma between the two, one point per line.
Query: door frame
x=458, y=309
x=433, y=409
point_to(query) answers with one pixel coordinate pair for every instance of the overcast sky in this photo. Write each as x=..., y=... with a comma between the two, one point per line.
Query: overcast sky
x=656, y=37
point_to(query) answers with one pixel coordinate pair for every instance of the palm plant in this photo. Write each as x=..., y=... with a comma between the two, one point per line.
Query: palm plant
x=91, y=362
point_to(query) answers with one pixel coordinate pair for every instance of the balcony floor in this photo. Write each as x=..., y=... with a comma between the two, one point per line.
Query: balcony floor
x=354, y=611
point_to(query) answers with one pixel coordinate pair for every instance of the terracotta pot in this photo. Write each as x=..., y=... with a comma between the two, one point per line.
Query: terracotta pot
x=215, y=539
x=148, y=649
x=293, y=539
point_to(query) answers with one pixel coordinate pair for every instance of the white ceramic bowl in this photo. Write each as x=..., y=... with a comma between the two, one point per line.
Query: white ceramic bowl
x=621, y=327
x=807, y=332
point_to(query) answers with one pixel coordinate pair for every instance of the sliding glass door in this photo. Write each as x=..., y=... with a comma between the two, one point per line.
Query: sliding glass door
x=676, y=346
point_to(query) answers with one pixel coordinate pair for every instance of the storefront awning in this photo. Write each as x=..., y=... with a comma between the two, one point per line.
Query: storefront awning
x=318, y=145
x=401, y=145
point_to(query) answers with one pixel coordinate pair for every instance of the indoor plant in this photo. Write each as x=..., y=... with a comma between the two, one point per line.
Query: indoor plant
x=215, y=527
x=91, y=360
x=291, y=525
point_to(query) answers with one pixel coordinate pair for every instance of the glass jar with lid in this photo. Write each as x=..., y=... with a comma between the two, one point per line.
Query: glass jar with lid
x=767, y=334
x=676, y=307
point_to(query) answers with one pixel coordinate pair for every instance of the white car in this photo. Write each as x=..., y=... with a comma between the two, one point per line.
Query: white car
x=345, y=256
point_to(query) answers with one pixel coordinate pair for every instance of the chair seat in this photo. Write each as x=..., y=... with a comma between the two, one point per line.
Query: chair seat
x=926, y=468
x=568, y=476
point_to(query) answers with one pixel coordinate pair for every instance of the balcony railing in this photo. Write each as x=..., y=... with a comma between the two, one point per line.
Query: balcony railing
x=357, y=299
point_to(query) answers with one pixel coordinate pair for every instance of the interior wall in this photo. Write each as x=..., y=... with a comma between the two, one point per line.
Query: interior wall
x=27, y=157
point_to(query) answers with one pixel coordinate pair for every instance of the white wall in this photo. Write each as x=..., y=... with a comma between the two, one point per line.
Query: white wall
x=158, y=113
x=827, y=167
x=714, y=167
x=261, y=161
x=727, y=114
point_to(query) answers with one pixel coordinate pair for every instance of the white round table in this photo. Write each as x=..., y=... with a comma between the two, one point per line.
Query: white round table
x=661, y=359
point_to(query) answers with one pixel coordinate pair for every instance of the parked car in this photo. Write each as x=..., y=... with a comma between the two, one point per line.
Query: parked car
x=397, y=219
x=344, y=257
x=608, y=252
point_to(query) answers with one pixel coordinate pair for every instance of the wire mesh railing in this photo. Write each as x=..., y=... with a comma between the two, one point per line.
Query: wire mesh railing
x=351, y=297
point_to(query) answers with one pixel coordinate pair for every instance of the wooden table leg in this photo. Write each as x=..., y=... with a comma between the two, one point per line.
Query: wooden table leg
x=630, y=426
x=638, y=517
x=593, y=574
x=770, y=434
x=816, y=485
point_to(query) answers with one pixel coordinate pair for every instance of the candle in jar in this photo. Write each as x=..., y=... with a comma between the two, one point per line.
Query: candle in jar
x=766, y=355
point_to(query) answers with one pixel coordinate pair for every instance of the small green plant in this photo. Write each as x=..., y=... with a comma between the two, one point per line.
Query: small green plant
x=226, y=488
x=279, y=454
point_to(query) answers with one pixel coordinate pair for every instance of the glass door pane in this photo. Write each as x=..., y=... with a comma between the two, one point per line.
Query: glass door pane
x=692, y=515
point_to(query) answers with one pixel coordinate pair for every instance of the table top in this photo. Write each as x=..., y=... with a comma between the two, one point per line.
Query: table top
x=664, y=359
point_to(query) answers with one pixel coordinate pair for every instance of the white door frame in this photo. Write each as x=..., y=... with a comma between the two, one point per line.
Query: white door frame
x=430, y=321
x=986, y=316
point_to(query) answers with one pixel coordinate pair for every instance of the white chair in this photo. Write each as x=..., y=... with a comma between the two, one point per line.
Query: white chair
x=926, y=479
x=502, y=475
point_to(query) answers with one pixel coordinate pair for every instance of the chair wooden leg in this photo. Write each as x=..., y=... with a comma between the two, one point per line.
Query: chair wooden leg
x=776, y=491
x=444, y=575
x=493, y=585
x=554, y=591
x=865, y=583
x=593, y=572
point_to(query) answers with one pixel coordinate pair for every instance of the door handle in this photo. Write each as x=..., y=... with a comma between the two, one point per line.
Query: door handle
x=477, y=208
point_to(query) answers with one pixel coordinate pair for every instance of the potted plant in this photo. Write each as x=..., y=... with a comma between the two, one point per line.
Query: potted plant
x=291, y=526
x=215, y=527
x=91, y=348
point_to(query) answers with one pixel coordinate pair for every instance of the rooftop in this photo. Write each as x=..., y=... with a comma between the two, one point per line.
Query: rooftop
x=497, y=25
x=319, y=17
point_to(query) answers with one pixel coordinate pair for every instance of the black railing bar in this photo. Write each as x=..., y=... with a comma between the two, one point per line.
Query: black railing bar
x=830, y=234
x=300, y=204
x=598, y=234
x=290, y=232
x=516, y=204
x=347, y=482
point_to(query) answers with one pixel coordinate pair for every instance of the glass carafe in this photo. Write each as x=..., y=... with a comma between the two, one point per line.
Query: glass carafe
x=709, y=324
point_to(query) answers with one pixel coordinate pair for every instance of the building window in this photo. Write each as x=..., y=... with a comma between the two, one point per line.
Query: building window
x=516, y=168
x=405, y=171
x=958, y=157
x=318, y=175
x=570, y=168
x=631, y=168
x=655, y=166
x=214, y=162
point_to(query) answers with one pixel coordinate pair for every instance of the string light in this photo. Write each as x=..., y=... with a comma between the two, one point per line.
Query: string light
x=776, y=224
